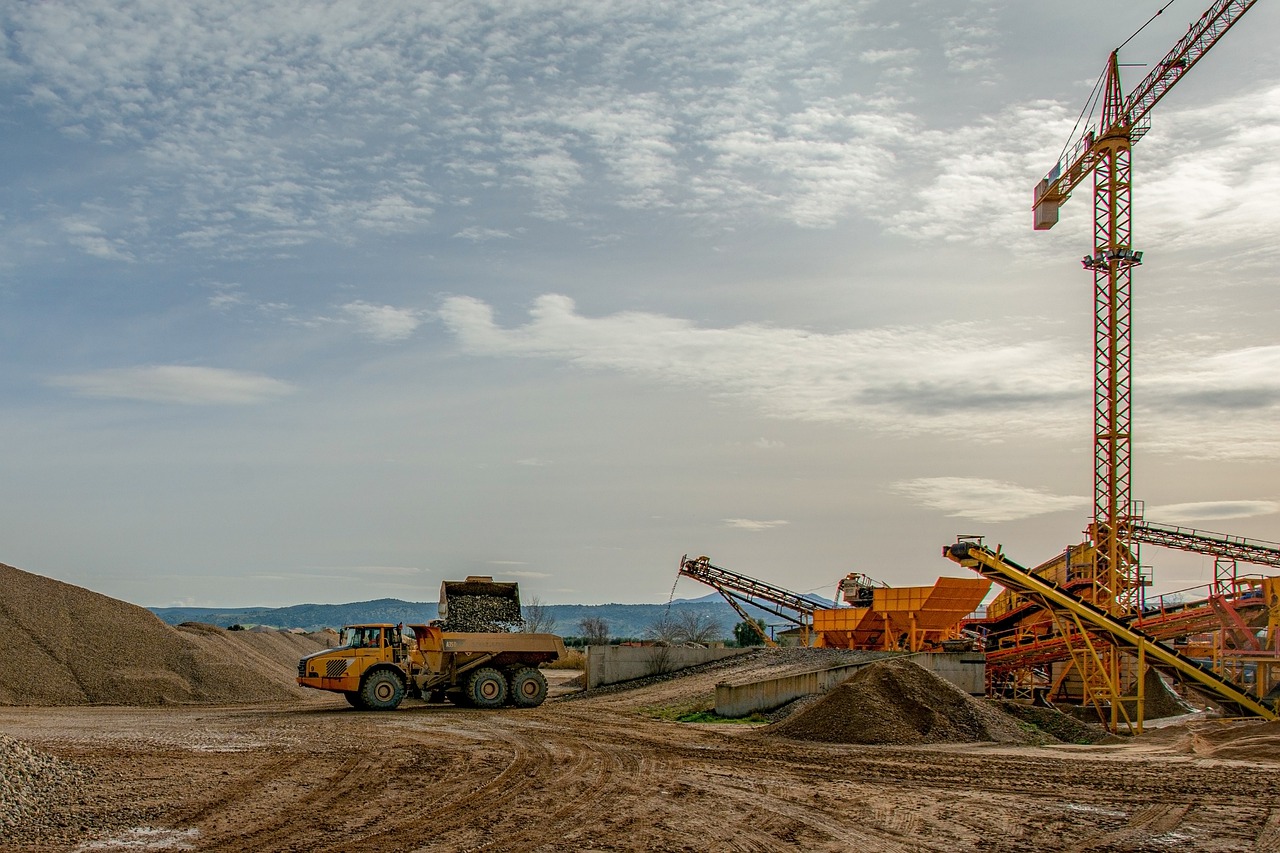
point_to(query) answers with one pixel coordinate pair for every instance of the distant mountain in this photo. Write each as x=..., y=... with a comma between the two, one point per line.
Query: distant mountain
x=309, y=617
x=624, y=620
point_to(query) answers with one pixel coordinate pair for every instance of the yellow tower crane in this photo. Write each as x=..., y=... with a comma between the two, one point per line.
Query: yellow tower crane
x=1104, y=151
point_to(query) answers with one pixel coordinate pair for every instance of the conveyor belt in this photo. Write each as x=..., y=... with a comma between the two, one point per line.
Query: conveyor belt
x=1196, y=676
x=1239, y=548
x=751, y=591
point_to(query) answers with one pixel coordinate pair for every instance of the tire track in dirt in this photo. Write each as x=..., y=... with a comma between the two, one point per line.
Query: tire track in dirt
x=238, y=791
x=776, y=820
x=453, y=802
x=1143, y=824
x=1268, y=840
x=273, y=818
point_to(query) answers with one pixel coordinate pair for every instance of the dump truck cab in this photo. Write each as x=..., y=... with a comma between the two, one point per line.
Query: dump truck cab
x=350, y=668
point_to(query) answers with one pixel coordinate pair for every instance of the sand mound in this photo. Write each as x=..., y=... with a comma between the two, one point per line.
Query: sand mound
x=65, y=645
x=1246, y=741
x=900, y=702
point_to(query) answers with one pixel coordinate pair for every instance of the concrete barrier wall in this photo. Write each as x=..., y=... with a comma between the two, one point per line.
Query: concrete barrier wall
x=966, y=670
x=611, y=664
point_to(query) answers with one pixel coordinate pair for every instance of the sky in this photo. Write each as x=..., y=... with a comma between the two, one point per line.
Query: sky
x=326, y=302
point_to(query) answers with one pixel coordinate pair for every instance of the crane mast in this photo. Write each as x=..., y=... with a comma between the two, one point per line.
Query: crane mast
x=1104, y=151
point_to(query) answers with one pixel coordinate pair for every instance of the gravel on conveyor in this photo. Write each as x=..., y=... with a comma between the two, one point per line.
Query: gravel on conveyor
x=483, y=614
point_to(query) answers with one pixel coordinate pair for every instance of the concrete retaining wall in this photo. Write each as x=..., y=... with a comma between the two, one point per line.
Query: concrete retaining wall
x=611, y=664
x=966, y=670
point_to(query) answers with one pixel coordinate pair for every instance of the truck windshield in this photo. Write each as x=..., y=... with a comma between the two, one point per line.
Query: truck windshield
x=362, y=638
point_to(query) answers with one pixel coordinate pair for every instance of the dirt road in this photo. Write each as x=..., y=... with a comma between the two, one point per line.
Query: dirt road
x=598, y=774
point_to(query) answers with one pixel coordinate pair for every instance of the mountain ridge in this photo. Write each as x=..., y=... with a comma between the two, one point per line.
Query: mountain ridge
x=624, y=620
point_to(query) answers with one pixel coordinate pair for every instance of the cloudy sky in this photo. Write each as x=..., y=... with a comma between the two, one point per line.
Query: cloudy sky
x=324, y=302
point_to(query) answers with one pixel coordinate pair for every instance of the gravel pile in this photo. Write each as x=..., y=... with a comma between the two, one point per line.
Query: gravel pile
x=1059, y=726
x=43, y=805
x=483, y=614
x=31, y=783
x=65, y=645
x=900, y=702
x=1159, y=700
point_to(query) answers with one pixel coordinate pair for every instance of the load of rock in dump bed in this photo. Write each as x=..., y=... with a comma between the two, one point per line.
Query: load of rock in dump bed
x=900, y=702
x=483, y=614
x=65, y=645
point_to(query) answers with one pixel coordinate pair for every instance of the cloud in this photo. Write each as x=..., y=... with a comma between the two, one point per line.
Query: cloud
x=383, y=322
x=91, y=239
x=396, y=571
x=752, y=524
x=1209, y=511
x=534, y=576
x=897, y=379
x=984, y=500
x=1208, y=403
x=175, y=384
x=476, y=234
x=235, y=133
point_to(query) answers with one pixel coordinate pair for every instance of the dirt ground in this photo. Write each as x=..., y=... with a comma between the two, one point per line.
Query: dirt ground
x=605, y=773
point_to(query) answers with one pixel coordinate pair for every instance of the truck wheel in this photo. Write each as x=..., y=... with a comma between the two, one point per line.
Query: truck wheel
x=353, y=699
x=382, y=690
x=528, y=687
x=486, y=688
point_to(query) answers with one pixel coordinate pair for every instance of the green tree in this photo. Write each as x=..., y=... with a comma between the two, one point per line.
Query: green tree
x=749, y=633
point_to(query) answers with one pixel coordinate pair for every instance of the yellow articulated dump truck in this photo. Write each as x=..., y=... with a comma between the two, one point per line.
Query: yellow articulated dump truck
x=474, y=655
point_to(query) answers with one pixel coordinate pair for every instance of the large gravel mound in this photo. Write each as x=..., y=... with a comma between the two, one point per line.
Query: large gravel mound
x=65, y=645
x=900, y=702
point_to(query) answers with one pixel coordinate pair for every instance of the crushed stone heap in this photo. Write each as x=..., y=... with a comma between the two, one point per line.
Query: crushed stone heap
x=900, y=702
x=31, y=783
x=483, y=614
x=65, y=645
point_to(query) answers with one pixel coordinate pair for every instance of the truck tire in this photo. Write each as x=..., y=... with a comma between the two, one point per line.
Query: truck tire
x=528, y=687
x=486, y=688
x=382, y=690
x=353, y=699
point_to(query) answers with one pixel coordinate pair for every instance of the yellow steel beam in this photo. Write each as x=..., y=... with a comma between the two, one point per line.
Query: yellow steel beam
x=991, y=564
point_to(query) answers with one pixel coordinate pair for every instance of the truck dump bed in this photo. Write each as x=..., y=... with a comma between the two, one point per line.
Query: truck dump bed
x=470, y=642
